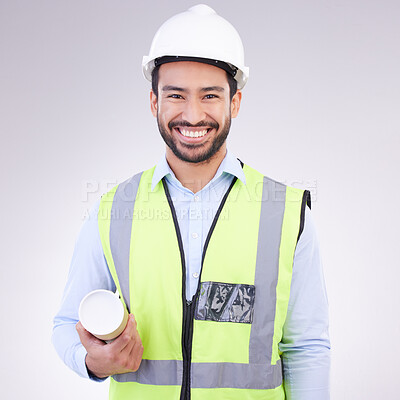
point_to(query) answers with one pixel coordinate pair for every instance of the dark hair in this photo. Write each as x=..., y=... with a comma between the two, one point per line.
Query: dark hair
x=154, y=82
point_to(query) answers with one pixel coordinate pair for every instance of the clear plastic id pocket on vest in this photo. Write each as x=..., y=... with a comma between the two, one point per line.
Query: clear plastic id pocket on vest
x=225, y=302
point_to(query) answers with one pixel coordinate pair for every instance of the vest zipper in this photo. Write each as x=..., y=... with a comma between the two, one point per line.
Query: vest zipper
x=187, y=319
x=188, y=307
x=187, y=347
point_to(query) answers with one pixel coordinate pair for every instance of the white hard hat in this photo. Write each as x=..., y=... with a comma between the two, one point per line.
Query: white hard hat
x=198, y=34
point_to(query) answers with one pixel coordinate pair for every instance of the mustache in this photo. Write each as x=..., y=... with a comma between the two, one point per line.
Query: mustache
x=212, y=124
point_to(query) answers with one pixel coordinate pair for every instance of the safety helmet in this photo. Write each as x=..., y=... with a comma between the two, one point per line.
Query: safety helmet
x=198, y=34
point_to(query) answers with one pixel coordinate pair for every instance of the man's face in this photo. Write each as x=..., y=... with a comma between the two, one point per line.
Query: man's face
x=193, y=109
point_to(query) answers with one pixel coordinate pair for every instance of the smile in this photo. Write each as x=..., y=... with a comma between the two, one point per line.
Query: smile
x=193, y=133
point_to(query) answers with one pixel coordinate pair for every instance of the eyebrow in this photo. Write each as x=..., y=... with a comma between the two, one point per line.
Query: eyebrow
x=213, y=89
x=170, y=88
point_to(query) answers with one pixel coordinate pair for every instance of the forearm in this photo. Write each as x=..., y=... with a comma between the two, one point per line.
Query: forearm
x=68, y=346
x=306, y=372
x=88, y=271
x=305, y=345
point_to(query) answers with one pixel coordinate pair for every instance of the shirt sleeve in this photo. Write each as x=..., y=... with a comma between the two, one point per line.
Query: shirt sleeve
x=305, y=344
x=88, y=271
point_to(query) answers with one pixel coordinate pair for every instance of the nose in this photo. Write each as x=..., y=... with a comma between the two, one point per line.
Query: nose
x=193, y=111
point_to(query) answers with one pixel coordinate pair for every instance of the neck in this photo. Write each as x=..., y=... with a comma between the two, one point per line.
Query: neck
x=194, y=176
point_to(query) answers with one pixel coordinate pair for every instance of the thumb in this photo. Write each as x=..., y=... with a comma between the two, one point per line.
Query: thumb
x=87, y=339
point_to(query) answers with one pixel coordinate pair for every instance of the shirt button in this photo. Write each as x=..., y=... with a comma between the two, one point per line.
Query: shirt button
x=195, y=235
x=195, y=275
x=196, y=198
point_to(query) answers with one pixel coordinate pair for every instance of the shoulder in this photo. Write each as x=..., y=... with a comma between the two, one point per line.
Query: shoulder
x=127, y=188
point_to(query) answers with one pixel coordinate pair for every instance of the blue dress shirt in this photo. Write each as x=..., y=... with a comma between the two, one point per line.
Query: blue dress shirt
x=305, y=344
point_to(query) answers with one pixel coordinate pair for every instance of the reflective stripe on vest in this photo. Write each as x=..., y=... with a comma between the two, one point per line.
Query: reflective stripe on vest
x=273, y=213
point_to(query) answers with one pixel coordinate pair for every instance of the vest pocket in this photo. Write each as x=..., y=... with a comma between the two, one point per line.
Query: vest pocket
x=225, y=302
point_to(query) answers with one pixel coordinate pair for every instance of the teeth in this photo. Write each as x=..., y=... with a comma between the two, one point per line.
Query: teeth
x=195, y=134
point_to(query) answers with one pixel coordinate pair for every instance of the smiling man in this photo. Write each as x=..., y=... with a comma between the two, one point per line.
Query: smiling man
x=217, y=264
x=192, y=100
x=194, y=107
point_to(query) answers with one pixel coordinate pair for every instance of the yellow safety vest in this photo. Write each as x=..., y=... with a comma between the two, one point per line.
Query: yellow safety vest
x=224, y=343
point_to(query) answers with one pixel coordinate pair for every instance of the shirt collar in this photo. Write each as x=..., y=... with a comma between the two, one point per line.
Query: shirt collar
x=229, y=164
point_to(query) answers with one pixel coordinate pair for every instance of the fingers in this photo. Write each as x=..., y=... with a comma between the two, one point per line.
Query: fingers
x=122, y=355
x=126, y=340
x=129, y=347
x=136, y=355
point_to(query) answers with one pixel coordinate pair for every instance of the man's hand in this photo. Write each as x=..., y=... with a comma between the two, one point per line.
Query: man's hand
x=124, y=354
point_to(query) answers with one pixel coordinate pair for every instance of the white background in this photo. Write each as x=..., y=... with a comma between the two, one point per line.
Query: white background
x=321, y=110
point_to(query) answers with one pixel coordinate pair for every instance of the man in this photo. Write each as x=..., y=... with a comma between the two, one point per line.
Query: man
x=218, y=265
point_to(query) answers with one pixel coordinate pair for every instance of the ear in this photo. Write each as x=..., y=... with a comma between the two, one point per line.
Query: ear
x=235, y=104
x=153, y=103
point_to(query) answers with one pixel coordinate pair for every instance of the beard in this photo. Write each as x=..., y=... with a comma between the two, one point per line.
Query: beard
x=195, y=153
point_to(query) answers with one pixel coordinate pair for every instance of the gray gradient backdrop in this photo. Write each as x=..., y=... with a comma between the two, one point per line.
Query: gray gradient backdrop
x=321, y=110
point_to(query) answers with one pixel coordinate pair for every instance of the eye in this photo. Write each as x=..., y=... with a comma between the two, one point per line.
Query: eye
x=175, y=96
x=210, y=96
